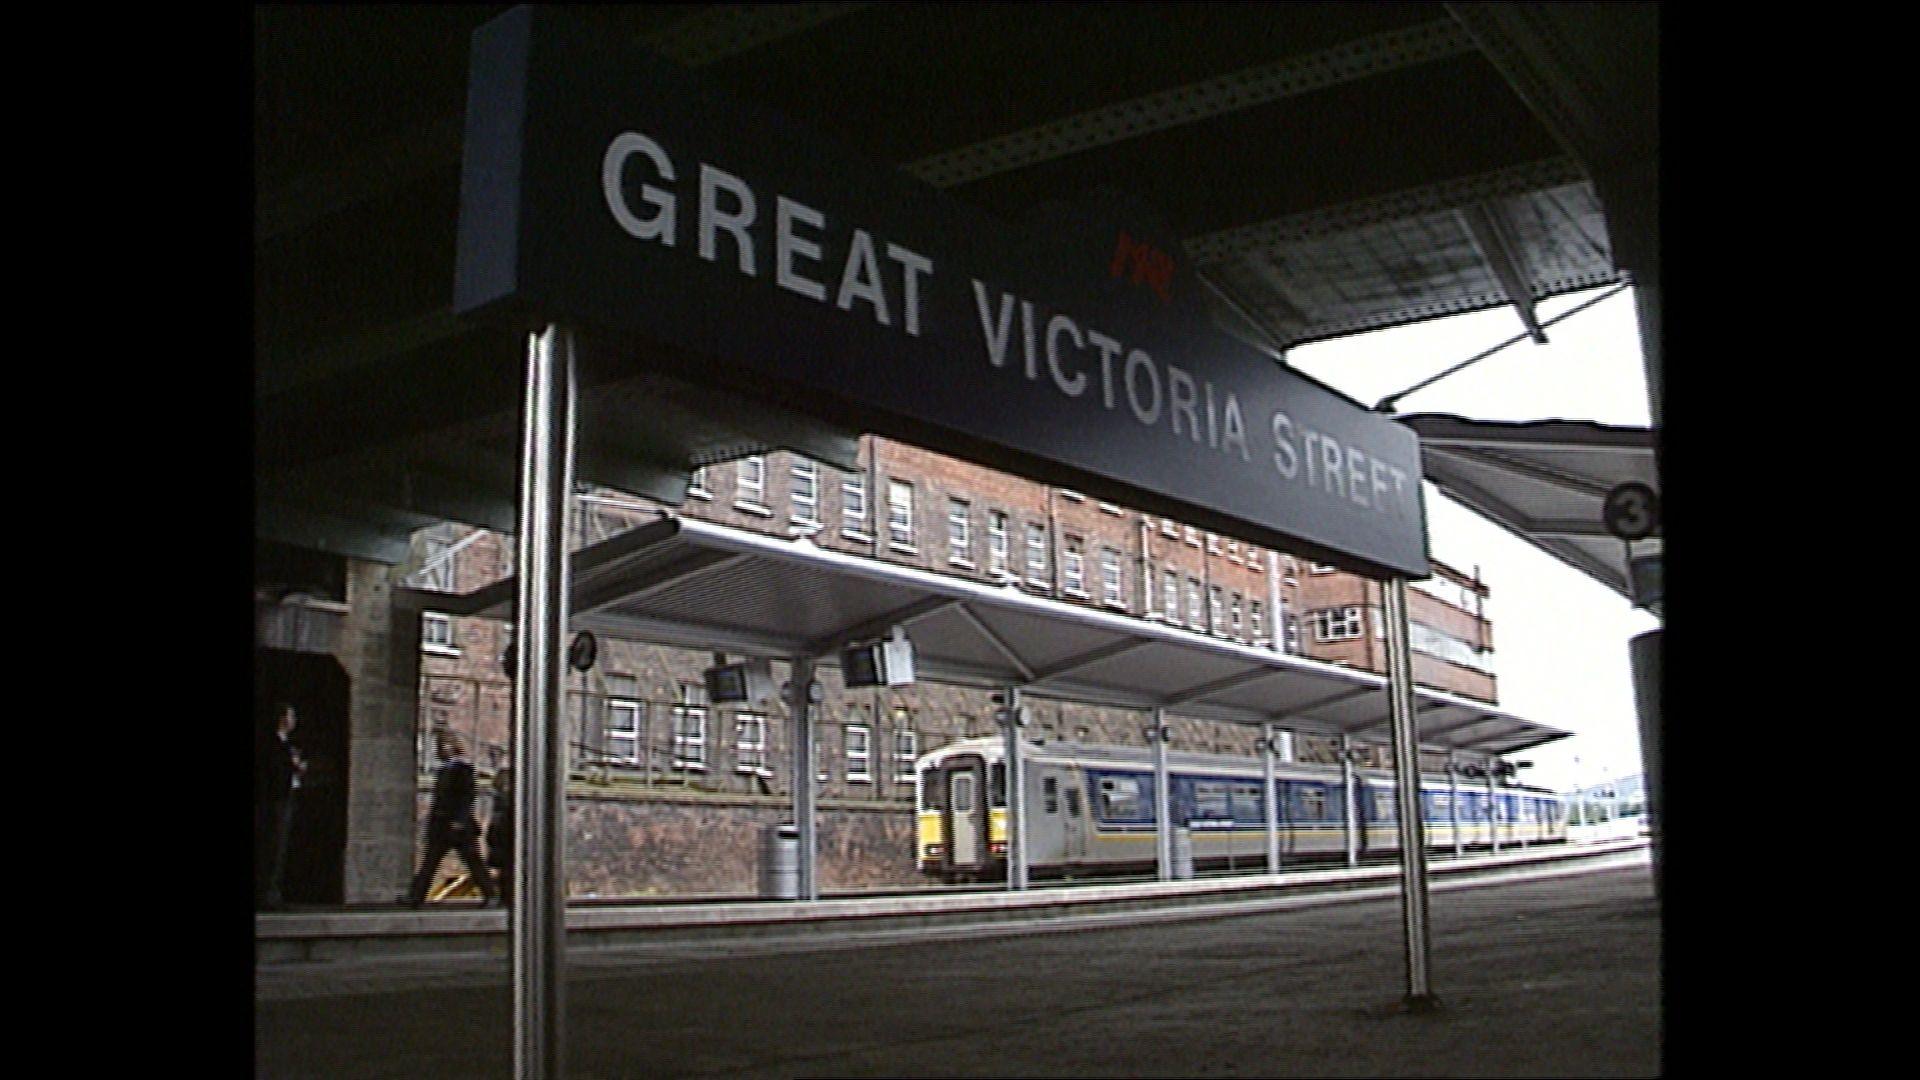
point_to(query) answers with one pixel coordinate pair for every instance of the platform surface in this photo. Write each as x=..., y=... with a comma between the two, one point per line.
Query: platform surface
x=1556, y=975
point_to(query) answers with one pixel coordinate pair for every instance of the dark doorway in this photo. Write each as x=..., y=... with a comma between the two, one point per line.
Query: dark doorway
x=317, y=687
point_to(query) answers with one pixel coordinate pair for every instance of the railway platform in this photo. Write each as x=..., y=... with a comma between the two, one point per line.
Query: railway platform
x=1541, y=967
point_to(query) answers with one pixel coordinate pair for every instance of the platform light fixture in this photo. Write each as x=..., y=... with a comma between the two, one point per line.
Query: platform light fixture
x=744, y=681
x=887, y=662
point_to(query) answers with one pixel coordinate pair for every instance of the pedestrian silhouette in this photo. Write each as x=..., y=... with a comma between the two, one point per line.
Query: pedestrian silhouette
x=450, y=822
x=283, y=766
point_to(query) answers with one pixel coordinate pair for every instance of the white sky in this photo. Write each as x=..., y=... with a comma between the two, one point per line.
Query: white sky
x=1560, y=638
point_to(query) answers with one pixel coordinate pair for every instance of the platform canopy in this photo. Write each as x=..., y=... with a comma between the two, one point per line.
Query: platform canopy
x=699, y=585
x=1546, y=482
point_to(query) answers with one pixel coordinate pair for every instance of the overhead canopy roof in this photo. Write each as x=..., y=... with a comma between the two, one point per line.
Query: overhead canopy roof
x=704, y=586
x=1544, y=481
x=1322, y=168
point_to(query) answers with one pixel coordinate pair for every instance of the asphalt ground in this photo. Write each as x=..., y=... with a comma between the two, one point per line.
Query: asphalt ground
x=1548, y=976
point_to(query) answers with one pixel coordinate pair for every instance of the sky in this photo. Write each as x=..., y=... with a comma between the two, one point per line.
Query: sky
x=1560, y=637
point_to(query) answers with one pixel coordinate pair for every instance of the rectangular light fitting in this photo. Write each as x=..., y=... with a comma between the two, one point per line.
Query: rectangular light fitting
x=888, y=662
x=749, y=681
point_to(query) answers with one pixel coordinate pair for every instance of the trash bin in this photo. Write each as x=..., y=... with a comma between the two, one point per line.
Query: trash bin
x=1182, y=854
x=780, y=862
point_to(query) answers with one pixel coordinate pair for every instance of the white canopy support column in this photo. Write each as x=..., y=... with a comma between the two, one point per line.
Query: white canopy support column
x=1453, y=801
x=1267, y=753
x=801, y=690
x=1012, y=717
x=1158, y=734
x=1351, y=801
x=1493, y=806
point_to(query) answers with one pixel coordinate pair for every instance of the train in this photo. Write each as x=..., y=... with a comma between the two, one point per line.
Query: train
x=1090, y=811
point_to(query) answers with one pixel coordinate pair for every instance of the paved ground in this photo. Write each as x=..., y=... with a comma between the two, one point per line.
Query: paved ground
x=1551, y=977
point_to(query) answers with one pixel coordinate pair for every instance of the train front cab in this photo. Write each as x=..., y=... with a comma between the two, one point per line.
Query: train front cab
x=962, y=818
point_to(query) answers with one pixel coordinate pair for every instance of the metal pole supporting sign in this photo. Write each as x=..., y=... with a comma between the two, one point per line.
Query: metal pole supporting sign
x=1406, y=774
x=536, y=922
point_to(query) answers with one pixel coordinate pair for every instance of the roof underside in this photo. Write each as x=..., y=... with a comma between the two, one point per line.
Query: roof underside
x=1544, y=481
x=704, y=586
x=1324, y=169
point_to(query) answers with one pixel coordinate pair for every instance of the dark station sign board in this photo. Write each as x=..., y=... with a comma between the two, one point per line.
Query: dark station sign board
x=604, y=188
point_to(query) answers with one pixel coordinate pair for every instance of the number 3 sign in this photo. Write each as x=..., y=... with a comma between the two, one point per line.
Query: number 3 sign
x=1632, y=511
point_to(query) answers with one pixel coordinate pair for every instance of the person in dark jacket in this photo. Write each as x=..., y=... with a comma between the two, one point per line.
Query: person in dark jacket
x=282, y=764
x=500, y=833
x=450, y=822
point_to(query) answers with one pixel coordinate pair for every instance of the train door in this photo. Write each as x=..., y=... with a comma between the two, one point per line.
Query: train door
x=1073, y=818
x=966, y=814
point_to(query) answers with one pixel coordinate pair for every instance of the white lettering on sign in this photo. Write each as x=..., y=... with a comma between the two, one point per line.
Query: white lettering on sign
x=1340, y=471
x=727, y=218
x=882, y=280
x=1193, y=409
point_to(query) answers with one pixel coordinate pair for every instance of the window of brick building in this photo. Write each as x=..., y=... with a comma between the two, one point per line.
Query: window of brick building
x=906, y=747
x=1112, y=586
x=436, y=634
x=690, y=728
x=959, y=533
x=996, y=543
x=900, y=515
x=1036, y=554
x=806, y=491
x=859, y=743
x=1337, y=624
x=853, y=507
x=1170, y=597
x=626, y=716
x=750, y=487
x=1073, y=571
x=750, y=744
x=1196, y=614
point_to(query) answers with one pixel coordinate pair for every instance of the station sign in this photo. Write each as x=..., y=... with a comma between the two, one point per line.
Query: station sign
x=607, y=189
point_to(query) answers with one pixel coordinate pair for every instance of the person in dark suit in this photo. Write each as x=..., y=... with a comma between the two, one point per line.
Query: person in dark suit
x=450, y=822
x=282, y=766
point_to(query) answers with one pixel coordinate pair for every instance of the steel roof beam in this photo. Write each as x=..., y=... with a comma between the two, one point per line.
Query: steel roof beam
x=1006, y=651
x=1231, y=682
x=1194, y=102
x=1086, y=659
x=1439, y=198
x=1493, y=237
x=829, y=643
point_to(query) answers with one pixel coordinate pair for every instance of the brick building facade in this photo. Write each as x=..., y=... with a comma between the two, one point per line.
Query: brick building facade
x=669, y=795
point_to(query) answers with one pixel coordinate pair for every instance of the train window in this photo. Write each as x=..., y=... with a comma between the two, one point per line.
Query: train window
x=1313, y=802
x=1210, y=800
x=963, y=793
x=931, y=793
x=1073, y=802
x=1246, y=803
x=1050, y=795
x=997, y=784
x=1119, y=797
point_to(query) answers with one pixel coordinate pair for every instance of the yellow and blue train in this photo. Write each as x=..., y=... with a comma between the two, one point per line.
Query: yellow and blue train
x=1091, y=810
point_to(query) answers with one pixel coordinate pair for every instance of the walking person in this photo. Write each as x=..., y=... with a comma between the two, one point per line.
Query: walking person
x=500, y=834
x=450, y=822
x=283, y=766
